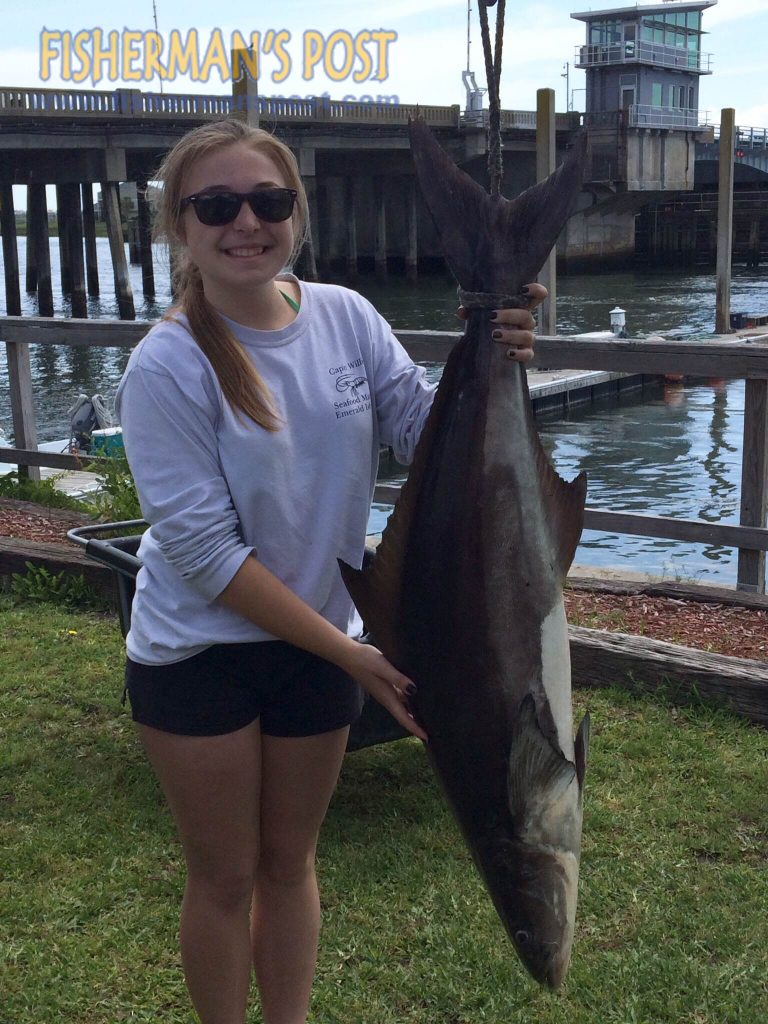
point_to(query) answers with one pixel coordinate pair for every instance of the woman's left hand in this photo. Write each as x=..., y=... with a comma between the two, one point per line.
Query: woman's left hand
x=514, y=327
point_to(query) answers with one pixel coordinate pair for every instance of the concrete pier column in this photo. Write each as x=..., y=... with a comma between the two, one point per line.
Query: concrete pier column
x=412, y=240
x=545, y=164
x=380, y=245
x=37, y=213
x=725, y=221
x=123, y=290
x=10, y=251
x=309, y=269
x=31, y=274
x=89, y=230
x=73, y=233
x=145, y=240
x=350, y=190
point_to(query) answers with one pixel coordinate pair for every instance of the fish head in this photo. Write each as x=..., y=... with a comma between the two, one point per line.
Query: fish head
x=538, y=908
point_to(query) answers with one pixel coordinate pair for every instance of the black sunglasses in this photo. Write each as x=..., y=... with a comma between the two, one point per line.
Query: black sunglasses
x=214, y=209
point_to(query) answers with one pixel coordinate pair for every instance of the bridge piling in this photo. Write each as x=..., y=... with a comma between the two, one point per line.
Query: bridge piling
x=350, y=191
x=73, y=232
x=380, y=243
x=10, y=251
x=89, y=230
x=37, y=227
x=145, y=240
x=65, y=263
x=123, y=290
x=753, y=252
x=30, y=282
x=412, y=239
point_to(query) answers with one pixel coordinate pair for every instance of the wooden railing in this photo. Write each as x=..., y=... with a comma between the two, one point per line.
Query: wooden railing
x=719, y=358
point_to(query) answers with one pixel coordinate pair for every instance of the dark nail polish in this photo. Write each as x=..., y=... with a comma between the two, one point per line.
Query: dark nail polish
x=526, y=290
x=496, y=335
x=410, y=690
x=494, y=315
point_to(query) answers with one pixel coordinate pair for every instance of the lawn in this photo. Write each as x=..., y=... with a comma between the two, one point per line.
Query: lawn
x=673, y=916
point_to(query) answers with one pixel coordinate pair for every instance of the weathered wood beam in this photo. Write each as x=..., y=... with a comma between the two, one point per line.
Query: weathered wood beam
x=22, y=403
x=51, y=460
x=601, y=659
x=89, y=230
x=10, y=251
x=145, y=240
x=37, y=223
x=110, y=197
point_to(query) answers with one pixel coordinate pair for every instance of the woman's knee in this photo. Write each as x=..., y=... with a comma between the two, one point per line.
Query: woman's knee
x=227, y=887
x=285, y=867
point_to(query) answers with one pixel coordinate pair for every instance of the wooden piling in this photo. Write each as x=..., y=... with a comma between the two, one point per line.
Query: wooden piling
x=545, y=164
x=73, y=232
x=321, y=218
x=309, y=270
x=380, y=245
x=39, y=210
x=10, y=251
x=62, y=223
x=31, y=261
x=753, y=255
x=725, y=221
x=754, y=482
x=145, y=240
x=350, y=191
x=123, y=290
x=412, y=243
x=89, y=230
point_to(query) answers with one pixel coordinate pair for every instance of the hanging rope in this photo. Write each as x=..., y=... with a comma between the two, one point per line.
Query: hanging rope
x=493, y=79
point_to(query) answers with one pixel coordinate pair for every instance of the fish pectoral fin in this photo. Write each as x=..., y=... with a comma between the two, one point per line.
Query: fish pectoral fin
x=538, y=771
x=582, y=749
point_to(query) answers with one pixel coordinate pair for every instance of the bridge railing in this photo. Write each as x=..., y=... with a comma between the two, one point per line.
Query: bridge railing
x=719, y=358
x=59, y=102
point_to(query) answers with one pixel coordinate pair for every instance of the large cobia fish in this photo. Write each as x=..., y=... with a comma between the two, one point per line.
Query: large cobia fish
x=465, y=592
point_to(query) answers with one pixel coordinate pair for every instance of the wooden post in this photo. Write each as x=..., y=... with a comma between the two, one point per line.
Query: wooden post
x=412, y=244
x=39, y=208
x=245, y=88
x=10, y=251
x=123, y=290
x=754, y=482
x=79, y=300
x=380, y=245
x=545, y=164
x=62, y=219
x=89, y=229
x=31, y=274
x=351, y=228
x=145, y=240
x=22, y=404
x=725, y=221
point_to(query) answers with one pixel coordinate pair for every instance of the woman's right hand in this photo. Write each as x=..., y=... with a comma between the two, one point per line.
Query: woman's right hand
x=368, y=666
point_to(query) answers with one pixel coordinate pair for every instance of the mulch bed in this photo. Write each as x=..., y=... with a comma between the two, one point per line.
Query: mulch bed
x=720, y=628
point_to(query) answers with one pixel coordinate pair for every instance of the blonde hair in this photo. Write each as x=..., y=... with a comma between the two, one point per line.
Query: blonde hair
x=240, y=382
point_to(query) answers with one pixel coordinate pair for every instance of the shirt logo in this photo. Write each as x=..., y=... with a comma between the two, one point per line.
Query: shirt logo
x=350, y=382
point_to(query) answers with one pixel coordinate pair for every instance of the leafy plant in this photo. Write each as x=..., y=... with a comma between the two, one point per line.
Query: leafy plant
x=116, y=500
x=39, y=585
x=42, y=492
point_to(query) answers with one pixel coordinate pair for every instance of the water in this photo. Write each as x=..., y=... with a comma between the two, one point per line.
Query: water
x=677, y=454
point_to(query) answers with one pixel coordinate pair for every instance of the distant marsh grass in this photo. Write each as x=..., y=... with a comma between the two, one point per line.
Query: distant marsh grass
x=673, y=916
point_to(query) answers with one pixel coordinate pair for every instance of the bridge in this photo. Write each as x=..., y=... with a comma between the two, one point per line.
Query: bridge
x=353, y=156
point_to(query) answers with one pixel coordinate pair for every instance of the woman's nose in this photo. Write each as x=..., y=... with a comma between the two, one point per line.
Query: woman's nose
x=246, y=218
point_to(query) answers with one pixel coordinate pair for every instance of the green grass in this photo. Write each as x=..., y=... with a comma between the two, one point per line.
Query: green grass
x=673, y=916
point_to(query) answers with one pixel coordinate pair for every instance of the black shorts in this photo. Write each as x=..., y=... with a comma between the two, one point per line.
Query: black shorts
x=228, y=686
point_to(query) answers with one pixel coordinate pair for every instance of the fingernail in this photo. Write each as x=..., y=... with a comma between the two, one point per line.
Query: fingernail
x=410, y=689
x=526, y=290
x=496, y=335
x=494, y=315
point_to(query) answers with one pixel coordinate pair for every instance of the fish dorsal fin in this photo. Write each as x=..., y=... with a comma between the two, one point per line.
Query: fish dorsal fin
x=538, y=771
x=563, y=500
x=376, y=590
x=582, y=749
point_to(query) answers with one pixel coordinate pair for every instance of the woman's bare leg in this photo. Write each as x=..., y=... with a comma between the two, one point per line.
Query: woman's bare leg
x=298, y=779
x=212, y=786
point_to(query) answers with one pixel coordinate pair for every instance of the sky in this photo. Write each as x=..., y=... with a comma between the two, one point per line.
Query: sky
x=408, y=51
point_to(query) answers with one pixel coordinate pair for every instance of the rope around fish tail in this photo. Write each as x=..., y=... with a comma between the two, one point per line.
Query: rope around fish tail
x=493, y=79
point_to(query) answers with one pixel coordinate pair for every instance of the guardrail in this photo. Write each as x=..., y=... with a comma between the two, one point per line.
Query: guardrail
x=597, y=54
x=719, y=358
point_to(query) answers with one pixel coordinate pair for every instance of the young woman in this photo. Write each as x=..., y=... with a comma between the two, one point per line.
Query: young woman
x=252, y=416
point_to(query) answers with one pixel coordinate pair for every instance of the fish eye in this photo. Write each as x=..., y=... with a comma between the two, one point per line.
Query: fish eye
x=522, y=937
